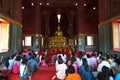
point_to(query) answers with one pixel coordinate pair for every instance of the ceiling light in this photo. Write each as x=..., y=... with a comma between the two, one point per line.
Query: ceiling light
x=84, y=4
x=40, y=3
x=48, y=3
x=23, y=7
x=76, y=4
x=32, y=4
x=94, y=8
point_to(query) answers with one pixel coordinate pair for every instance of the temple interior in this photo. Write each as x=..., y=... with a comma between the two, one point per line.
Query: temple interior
x=59, y=25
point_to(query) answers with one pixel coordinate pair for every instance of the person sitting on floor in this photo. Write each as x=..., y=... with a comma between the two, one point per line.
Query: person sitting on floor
x=32, y=65
x=43, y=60
x=60, y=70
x=16, y=65
x=85, y=71
x=106, y=74
x=11, y=63
x=71, y=75
x=75, y=65
x=24, y=70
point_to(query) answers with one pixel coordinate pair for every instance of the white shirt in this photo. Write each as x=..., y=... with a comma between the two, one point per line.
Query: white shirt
x=22, y=67
x=79, y=61
x=103, y=63
x=56, y=63
x=64, y=58
x=11, y=63
x=61, y=71
x=90, y=62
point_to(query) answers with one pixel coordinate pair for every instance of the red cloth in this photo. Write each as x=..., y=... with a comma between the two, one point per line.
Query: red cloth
x=76, y=53
x=40, y=53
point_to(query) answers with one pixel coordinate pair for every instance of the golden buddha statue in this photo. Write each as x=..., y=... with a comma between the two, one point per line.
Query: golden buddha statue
x=58, y=32
x=58, y=40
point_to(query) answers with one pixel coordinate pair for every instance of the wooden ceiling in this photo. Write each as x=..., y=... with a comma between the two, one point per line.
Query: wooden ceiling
x=60, y=2
x=90, y=15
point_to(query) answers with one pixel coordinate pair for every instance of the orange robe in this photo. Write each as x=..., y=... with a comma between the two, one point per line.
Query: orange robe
x=73, y=76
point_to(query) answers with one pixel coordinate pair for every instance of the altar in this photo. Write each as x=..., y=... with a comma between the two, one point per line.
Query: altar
x=58, y=40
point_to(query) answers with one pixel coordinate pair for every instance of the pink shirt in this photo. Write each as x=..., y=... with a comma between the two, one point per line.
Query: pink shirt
x=75, y=67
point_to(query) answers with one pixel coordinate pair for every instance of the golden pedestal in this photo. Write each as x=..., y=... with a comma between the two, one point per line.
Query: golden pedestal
x=58, y=41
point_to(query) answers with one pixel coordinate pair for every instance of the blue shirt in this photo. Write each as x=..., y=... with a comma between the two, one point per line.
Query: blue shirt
x=32, y=65
x=117, y=77
x=85, y=75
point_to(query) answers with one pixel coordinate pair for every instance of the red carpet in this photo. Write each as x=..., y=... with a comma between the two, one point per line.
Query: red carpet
x=44, y=73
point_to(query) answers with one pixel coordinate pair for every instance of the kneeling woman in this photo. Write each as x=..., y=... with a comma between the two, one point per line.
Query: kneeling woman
x=24, y=70
x=60, y=69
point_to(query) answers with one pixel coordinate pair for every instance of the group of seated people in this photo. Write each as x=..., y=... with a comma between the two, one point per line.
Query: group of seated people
x=81, y=66
x=25, y=64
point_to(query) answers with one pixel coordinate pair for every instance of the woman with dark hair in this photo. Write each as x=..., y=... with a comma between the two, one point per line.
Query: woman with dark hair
x=16, y=65
x=32, y=65
x=71, y=74
x=75, y=65
x=24, y=70
x=43, y=60
x=106, y=74
x=11, y=63
x=85, y=71
x=61, y=68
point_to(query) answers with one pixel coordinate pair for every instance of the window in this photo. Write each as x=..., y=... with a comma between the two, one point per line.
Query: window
x=80, y=41
x=4, y=36
x=23, y=42
x=116, y=35
x=89, y=40
x=28, y=41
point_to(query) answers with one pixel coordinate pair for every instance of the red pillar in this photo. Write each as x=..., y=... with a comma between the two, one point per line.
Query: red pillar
x=79, y=18
x=104, y=10
x=37, y=18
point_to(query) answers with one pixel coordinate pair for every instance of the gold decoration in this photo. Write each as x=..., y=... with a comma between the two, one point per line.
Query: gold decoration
x=59, y=32
x=58, y=40
x=85, y=35
x=10, y=20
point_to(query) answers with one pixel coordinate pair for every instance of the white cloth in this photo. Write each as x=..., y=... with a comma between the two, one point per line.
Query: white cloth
x=90, y=62
x=64, y=58
x=56, y=63
x=103, y=63
x=61, y=71
x=22, y=67
x=11, y=63
x=79, y=61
